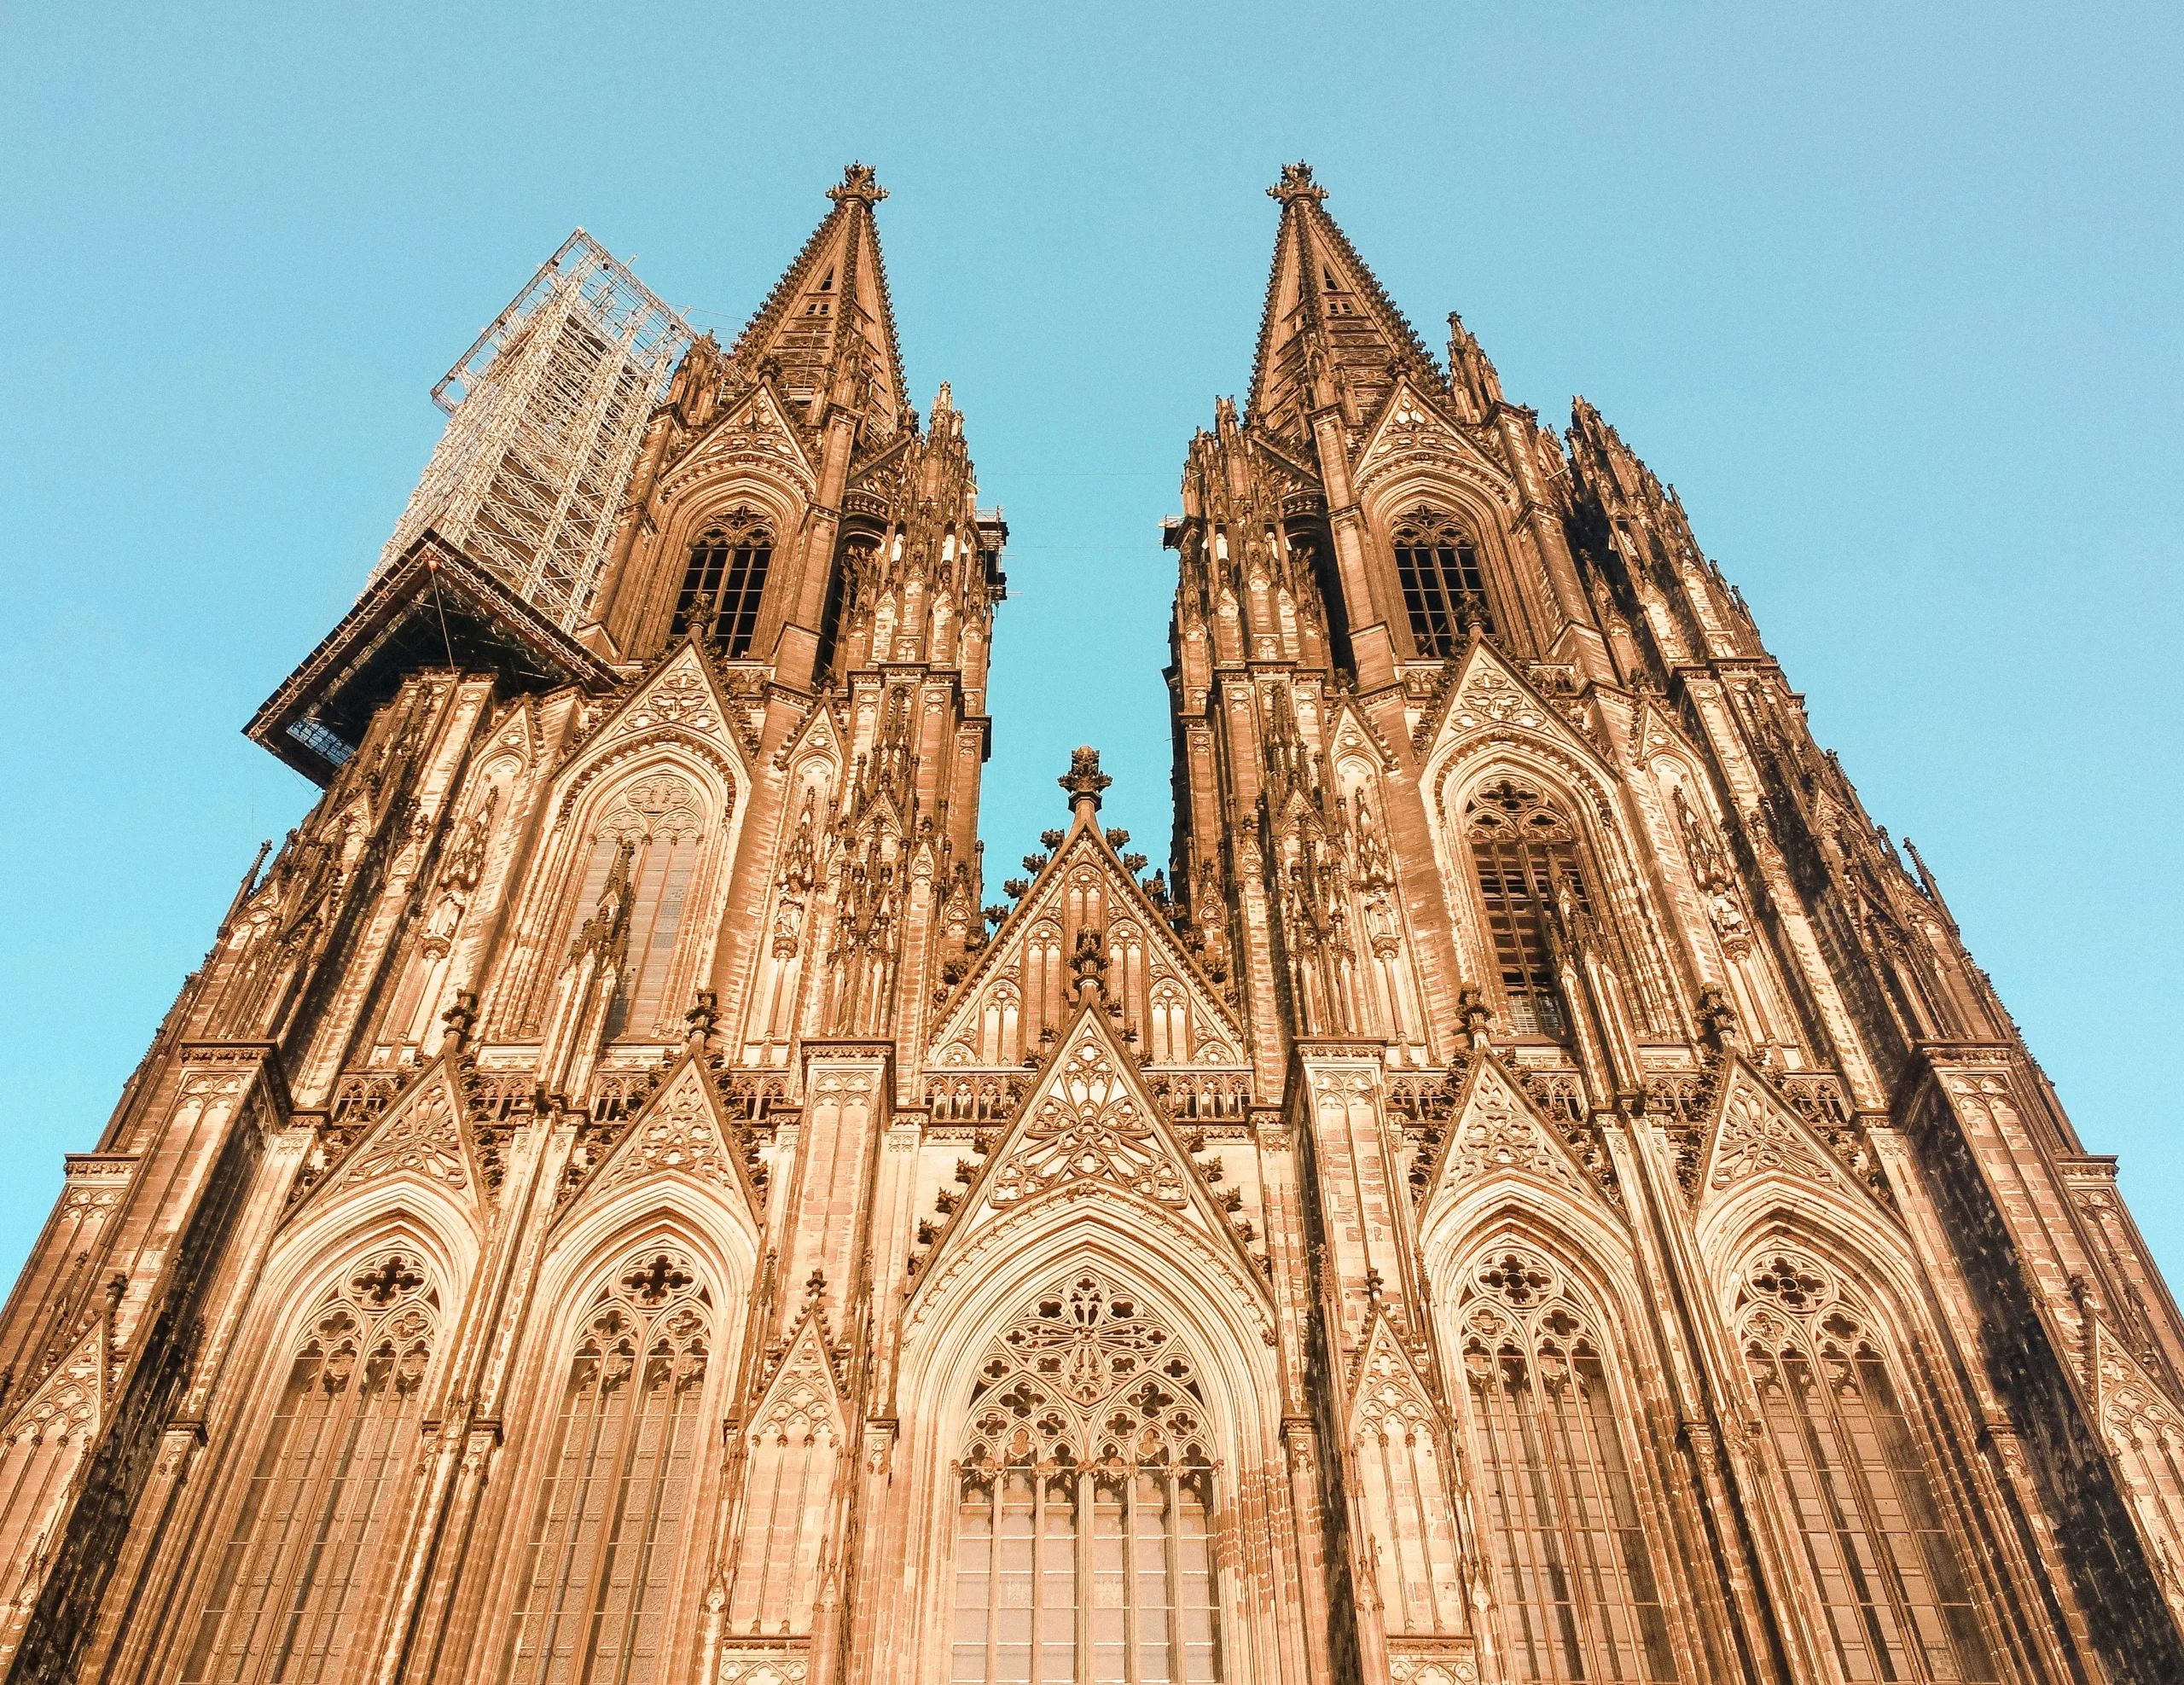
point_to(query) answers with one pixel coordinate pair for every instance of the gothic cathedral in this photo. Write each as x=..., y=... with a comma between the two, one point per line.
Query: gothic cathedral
x=1534, y=1189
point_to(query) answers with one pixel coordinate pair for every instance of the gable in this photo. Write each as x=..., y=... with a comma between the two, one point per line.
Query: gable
x=1756, y=1134
x=1489, y=697
x=1089, y=1128
x=751, y=433
x=1496, y=1131
x=684, y=1132
x=1021, y=984
x=1412, y=433
x=420, y=1136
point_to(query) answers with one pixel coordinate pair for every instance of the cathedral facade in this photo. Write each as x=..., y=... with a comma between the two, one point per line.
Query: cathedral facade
x=1533, y=1189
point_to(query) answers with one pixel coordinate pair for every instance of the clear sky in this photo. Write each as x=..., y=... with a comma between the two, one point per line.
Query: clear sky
x=1890, y=294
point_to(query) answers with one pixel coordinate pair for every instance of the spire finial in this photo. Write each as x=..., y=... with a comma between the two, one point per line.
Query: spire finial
x=858, y=181
x=1085, y=781
x=1296, y=182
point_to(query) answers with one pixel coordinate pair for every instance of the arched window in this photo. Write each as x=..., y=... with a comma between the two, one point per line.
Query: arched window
x=653, y=829
x=1084, y=1541
x=1574, y=1573
x=1438, y=565
x=1525, y=853
x=725, y=579
x=289, y=1581
x=1895, y=1600
x=594, y=1572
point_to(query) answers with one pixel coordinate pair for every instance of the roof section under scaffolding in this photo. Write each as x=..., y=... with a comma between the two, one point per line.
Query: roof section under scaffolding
x=546, y=412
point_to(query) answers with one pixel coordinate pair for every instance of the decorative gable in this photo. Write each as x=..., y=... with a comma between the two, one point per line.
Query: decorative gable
x=1020, y=986
x=1411, y=432
x=1756, y=1134
x=1487, y=697
x=681, y=1132
x=1497, y=1132
x=1089, y=1128
x=420, y=1136
x=754, y=434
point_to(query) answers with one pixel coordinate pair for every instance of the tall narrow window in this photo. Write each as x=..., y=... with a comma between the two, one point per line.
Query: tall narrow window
x=1437, y=565
x=593, y=1576
x=659, y=823
x=1083, y=1528
x=1895, y=1599
x=725, y=580
x=288, y=1585
x=1526, y=854
x=1579, y=1597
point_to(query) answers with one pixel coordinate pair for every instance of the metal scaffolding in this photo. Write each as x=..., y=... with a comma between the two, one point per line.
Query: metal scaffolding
x=547, y=411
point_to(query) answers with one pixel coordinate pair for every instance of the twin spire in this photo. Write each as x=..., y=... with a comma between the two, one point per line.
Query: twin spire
x=1329, y=336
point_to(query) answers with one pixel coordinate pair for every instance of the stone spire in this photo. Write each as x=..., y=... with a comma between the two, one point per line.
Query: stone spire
x=1329, y=334
x=825, y=334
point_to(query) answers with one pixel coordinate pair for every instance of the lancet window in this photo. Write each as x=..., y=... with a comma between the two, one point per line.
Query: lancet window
x=646, y=846
x=288, y=1587
x=594, y=1569
x=1443, y=584
x=1084, y=1545
x=1580, y=1595
x=723, y=581
x=1524, y=851
x=1889, y=1569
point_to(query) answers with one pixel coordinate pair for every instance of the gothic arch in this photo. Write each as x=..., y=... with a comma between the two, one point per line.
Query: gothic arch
x=1881, y=1513
x=347, y=1352
x=1477, y=507
x=1220, y=1324
x=1553, y=1385
x=697, y=785
x=1608, y=865
x=631, y=1347
x=695, y=494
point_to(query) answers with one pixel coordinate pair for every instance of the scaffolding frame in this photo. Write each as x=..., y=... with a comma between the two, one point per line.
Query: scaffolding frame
x=546, y=413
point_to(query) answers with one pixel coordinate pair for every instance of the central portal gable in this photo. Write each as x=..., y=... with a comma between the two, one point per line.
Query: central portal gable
x=1090, y=1128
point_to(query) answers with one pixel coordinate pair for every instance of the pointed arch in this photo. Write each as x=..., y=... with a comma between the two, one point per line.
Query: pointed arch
x=638, y=1317
x=1540, y=1341
x=1521, y=888
x=1220, y=1324
x=336, y=1417
x=647, y=820
x=1860, y=1442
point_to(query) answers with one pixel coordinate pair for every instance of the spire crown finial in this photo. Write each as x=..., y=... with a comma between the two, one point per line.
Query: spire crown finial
x=1085, y=781
x=1296, y=182
x=859, y=181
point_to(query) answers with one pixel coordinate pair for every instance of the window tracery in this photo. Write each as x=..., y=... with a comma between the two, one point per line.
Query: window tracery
x=723, y=581
x=1523, y=850
x=1580, y=1595
x=1885, y=1560
x=594, y=1572
x=285, y=1592
x=1444, y=586
x=1085, y=1503
x=655, y=828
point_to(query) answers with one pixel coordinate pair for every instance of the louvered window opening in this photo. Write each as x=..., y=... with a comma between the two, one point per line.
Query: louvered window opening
x=1524, y=853
x=1437, y=565
x=1896, y=1601
x=1084, y=1546
x=288, y=1589
x=596, y=1571
x=725, y=580
x=1579, y=1596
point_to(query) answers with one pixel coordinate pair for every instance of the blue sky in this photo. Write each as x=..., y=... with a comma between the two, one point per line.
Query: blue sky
x=1890, y=294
